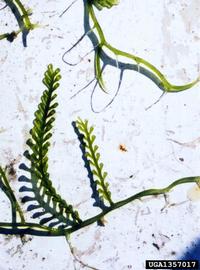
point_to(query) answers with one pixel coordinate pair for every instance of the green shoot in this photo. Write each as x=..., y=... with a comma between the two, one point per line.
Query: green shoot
x=22, y=16
x=58, y=218
x=140, y=62
x=5, y=186
x=93, y=157
x=39, y=145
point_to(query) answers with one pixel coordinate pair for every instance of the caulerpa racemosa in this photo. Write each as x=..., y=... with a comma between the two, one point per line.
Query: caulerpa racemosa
x=106, y=54
x=22, y=15
x=54, y=215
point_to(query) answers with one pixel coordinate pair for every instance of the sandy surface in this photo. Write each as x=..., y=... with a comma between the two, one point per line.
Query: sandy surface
x=162, y=142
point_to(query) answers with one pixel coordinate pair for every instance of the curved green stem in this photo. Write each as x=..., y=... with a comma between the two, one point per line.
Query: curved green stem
x=95, y=22
x=140, y=61
x=17, y=5
x=16, y=209
x=29, y=228
x=40, y=230
x=22, y=17
x=154, y=192
x=137, y=196
x=167, y=86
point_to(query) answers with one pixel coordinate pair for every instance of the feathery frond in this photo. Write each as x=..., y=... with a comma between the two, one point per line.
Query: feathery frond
x=45, y=194
x=93, y=157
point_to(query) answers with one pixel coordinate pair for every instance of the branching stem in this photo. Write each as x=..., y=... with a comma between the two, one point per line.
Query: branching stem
x=164, y=83
x=22, y=16
x=39, y=230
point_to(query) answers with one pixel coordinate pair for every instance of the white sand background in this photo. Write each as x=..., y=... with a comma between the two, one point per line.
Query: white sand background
x=162, y=142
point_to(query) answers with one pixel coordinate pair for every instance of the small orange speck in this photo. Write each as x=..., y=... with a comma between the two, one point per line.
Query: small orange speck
x=122, y=148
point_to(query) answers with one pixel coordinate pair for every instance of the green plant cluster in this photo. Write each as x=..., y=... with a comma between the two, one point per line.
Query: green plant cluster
x=103, y=47
x=42, y=187
x=55, y=216
x=22, y=16
x=93, y=157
